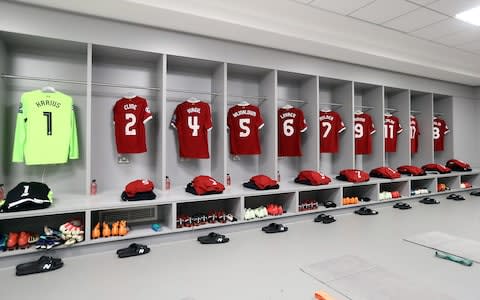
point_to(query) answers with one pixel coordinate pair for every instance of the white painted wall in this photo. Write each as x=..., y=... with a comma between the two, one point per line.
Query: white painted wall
x=466, y=124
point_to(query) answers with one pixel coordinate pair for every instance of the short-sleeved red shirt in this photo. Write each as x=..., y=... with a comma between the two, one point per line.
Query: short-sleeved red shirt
x=414, y=134
x=364, y=128
x=244, y=122
x=440, y=129
x=129, y=117
x=192, y=120
x=331, y=125
x=291, y=123
x=392, y=128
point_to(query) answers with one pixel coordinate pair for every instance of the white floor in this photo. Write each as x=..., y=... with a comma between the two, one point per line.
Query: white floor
x=255, y=265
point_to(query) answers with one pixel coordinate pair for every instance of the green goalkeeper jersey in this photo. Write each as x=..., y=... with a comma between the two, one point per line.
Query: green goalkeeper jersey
x=46, y=130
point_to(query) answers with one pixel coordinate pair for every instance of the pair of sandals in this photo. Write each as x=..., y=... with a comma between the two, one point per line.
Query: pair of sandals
x=133, y=250
x=455, y=197
x=213, y=238
x=476, y=193
x=429, y=201
x=402, y=205
x=325, y=219
x=274, y=228
x=365, y=211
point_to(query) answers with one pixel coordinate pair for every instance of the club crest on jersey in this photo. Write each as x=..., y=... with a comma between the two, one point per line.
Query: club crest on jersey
x=147, y=110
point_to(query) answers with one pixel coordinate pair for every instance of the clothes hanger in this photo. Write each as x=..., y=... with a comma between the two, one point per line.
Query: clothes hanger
x=243, y=103
x=287, y=106
x=130, y=95
x=48, y=89
x=193, y=100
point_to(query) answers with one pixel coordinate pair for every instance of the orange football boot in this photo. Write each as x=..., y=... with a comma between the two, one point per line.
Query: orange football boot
x=106, y=232
x=96, y=231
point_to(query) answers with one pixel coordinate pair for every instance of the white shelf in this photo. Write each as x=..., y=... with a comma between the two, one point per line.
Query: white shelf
x=136, y=231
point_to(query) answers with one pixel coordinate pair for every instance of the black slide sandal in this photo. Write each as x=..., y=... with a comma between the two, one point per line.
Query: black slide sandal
x=274, y=228
x=429, y=201
x=365, y=211
x=43, y=264
x=133, y=250
x=213, y=238
x=476, y=193
x=455, y=197
x=402, y=206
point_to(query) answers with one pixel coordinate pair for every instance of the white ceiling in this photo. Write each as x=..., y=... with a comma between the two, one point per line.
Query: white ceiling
x=419, y=37
x=431, y=20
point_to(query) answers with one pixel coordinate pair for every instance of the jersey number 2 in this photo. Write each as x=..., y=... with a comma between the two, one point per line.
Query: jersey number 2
x=132, y=120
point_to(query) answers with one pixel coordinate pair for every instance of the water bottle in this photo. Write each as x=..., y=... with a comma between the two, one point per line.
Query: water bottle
x=167, y=183
x=2, y=191
x=229, y=180
x=93, y=187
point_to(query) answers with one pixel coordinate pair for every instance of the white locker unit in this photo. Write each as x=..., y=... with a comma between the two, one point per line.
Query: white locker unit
x=97, y=72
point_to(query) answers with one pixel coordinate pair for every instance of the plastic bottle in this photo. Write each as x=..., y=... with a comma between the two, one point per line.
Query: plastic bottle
x=93, y=187
x=229, y=180
x=2, y=191
x=167, y=183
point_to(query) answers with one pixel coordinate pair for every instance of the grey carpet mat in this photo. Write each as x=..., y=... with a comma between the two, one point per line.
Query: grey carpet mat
x=448, y=243
x=358, y=279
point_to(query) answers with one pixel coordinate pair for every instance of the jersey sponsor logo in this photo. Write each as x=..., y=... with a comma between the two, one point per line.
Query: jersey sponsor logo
x=51, y=103
x=130, y=106
x=244, y=112
x=194, y=110
x=288, y=115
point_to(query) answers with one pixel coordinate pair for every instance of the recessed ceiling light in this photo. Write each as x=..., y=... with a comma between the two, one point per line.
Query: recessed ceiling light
x=471, y=16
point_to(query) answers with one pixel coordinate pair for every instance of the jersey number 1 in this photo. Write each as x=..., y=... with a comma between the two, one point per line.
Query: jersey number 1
x=48, y=114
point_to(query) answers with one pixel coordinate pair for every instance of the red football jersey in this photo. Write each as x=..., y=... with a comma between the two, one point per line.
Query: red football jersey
x=364, y=128
x=440, y=129
x=244, y=122
x=291, y=123
x=129, y=117
x=331, y=125
x=392, y=128
x=192, y=120
x=414, y=134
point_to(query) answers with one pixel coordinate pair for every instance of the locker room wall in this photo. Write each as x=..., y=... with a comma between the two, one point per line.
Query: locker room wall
x=3, y=130
x=46, y=22
x=466, y=122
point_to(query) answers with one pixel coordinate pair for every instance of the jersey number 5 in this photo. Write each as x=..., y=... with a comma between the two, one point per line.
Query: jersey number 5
x=243, y=123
